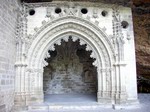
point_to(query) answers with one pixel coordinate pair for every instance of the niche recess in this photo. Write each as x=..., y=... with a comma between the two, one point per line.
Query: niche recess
x=70, y=70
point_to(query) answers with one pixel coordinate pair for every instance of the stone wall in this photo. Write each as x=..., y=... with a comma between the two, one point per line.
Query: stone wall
x=8, y=19
x=70, y=70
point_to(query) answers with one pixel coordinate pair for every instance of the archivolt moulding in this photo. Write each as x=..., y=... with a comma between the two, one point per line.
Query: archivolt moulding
x=54, y=31
x=68, y=19
x=74, y=38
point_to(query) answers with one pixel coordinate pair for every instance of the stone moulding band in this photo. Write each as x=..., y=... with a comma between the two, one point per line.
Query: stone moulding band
x=77, y=25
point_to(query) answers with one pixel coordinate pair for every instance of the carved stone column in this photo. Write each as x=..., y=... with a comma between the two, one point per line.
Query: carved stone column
x=104, y=85
x=119, y=65
x=100, y=87
x=20, y=91
x=20, y=76
x=120, y=94
x=35, y=89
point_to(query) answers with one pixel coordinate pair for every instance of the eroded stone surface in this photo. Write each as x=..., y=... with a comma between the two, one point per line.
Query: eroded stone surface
x=8, y=20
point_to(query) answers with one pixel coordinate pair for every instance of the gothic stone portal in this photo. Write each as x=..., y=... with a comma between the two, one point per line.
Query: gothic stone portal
x=104, y=33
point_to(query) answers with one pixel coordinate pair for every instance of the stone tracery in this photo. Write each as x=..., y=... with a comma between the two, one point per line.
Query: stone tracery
x=58, y=42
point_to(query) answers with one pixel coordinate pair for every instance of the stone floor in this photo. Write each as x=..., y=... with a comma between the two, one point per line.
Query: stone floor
x=87, y=103
x=75, y=98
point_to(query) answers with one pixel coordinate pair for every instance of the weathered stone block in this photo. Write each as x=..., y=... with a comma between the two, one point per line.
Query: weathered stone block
x=8, y=22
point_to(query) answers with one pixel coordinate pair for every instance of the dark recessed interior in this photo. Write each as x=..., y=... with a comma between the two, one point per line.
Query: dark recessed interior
x=58, y=10
x=31, y=12
x=84, y=11
x=124, y=24
x=104, y=13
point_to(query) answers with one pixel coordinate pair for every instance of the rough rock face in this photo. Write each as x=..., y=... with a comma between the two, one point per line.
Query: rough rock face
x=142, y=39
x=141, y=18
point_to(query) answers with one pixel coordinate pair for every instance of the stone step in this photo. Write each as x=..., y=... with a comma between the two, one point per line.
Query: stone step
x=78, y=107
x=68, y=106
x=38, y=108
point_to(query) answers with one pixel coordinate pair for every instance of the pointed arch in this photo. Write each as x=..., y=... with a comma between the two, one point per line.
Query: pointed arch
x=88, y=33
x=82, y=29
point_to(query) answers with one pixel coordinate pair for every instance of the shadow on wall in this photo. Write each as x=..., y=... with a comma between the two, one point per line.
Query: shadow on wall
x=143, y=85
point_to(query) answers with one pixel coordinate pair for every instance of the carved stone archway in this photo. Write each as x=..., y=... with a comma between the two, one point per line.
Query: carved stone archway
x=89, y=34
x=52, y=33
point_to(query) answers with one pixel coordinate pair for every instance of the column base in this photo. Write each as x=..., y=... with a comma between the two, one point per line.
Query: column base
x=29, y=98
x=111, y=97
x=129, y=104
x=103, y=97
x=120, y=98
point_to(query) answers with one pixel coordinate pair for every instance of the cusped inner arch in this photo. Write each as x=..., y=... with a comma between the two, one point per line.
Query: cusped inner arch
x=74, y=38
